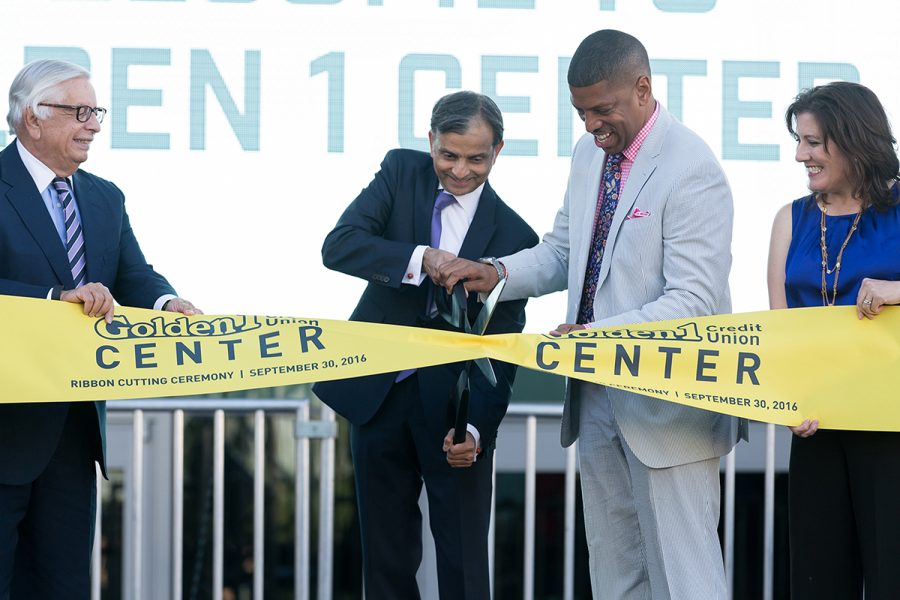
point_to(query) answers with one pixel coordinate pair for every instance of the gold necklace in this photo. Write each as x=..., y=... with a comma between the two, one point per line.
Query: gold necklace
x=837, y=264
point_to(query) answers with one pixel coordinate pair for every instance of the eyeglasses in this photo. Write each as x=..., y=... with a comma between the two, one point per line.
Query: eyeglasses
x=82, y=112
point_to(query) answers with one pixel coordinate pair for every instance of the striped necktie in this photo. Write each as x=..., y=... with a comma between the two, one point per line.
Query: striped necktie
x=74, y=235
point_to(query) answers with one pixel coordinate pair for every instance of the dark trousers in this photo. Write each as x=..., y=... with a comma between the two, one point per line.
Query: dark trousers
x=392, y=455
x=47, y=526
x=845, y=516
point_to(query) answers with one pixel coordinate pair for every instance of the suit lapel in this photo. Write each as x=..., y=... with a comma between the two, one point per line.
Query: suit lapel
x=483, y=225
x=423, y=205
x=27, y=202
x=640, y=173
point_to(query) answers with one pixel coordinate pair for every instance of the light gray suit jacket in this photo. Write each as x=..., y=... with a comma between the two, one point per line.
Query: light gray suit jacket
x=669, y=263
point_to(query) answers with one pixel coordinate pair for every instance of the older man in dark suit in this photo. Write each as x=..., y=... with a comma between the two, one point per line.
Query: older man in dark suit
x=64, y=235
x=417, y=213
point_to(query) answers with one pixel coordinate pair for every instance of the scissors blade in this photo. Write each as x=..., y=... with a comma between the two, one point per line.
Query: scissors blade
x=490, y=303
x=480, y=326
x=460, y=307
x=484, y=365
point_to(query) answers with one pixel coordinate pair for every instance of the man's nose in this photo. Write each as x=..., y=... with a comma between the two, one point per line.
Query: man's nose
x=93, y=124
x=592, y=124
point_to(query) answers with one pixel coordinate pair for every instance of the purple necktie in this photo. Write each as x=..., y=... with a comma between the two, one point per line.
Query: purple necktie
x=607, y=201
x=443, y=201
x=74, y=235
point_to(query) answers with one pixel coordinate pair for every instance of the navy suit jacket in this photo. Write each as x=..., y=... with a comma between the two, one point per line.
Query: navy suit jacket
x=374, y=240
x=32, y=260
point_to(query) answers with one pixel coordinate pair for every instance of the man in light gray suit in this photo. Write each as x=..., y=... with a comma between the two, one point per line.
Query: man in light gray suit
x=644, y=234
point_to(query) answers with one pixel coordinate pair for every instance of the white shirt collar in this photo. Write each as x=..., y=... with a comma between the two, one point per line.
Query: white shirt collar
x=40, y=173
x=469, y=202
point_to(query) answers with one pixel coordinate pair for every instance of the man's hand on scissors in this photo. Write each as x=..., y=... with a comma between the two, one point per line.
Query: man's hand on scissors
x=479, y=277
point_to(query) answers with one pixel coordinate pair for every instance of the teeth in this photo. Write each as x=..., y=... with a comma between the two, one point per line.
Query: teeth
x=602, y=137
x=814, y=170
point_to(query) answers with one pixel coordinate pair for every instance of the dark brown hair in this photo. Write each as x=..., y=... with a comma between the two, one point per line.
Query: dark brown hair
x=851, y=116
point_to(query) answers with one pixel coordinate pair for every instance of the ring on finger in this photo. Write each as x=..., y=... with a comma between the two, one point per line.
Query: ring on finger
x=867, y=301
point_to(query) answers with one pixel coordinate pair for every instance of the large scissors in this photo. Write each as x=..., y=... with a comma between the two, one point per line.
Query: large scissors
x=453, y=308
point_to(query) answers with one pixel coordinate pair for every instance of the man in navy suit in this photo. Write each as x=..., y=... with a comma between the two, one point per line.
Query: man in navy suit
x=400, y=423
x=64, y=235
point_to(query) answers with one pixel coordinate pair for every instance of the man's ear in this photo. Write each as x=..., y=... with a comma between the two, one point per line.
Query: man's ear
x=32, y=125
x=497, y=149
x=643, y=89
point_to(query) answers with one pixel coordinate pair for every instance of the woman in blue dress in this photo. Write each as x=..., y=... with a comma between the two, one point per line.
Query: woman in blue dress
x=840, y=245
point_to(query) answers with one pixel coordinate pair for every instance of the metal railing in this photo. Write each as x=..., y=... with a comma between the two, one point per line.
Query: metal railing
x=531, y=412
x=325, y=430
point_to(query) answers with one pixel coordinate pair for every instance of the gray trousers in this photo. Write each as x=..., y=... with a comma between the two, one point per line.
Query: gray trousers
x=652, y=533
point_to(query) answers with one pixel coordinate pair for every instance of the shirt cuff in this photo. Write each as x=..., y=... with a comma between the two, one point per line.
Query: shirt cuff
x=414, y=275
x=474, y=431
x=158, y=305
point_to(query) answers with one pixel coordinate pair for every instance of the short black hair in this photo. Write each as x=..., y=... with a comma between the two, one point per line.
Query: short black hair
x=454, y=113
x=608, y=55
x=853, y=119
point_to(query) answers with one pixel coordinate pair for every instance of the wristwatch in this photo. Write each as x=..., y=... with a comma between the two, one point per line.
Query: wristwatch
x=490, y=260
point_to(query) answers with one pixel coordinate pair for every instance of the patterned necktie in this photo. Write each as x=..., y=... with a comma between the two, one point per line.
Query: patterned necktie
x=443, y=201
x=608, y=201
x=74, y=235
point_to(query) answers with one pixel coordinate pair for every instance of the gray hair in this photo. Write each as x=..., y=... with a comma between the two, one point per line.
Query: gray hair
x=454, y=112
x=38, y=82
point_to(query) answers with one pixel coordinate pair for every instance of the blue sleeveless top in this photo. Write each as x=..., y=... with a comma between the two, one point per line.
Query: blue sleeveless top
x=873, y=251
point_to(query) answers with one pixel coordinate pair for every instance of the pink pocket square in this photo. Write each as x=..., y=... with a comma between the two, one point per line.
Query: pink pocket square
x=637, y=214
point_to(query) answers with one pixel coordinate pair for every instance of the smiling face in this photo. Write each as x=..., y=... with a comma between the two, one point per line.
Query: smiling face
x=60, y=141
x=826, y=165
x=463, y=161
x=614, y=112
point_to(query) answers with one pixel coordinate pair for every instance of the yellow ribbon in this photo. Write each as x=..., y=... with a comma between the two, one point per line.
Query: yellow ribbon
x=774, y=366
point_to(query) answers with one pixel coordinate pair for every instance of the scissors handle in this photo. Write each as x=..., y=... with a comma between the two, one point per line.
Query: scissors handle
x=462, y=417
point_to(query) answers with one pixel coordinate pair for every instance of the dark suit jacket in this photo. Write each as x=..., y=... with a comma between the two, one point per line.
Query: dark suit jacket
x=374, y=240
x=32, y=260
